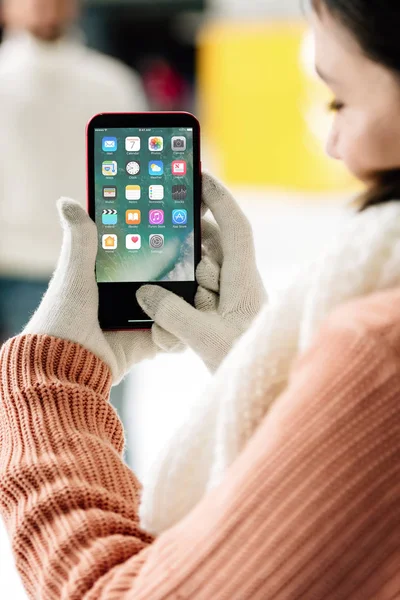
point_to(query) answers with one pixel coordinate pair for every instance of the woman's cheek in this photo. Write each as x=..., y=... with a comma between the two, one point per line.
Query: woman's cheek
x=350, y=155
x=357, y=152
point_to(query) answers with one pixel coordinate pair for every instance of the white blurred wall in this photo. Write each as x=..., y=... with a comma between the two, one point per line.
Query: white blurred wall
x=249, y=9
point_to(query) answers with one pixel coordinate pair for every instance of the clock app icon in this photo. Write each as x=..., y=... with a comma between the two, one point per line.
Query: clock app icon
x=133, y=167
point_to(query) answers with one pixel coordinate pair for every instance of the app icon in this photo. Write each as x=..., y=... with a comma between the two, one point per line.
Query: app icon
x=179, y=167
x=110, y=144
x=156, y=167
x=133, y=167
x=133, y=241
x=133, y=217
x=178, y=143
x=156, y=144
x=156, y=192
x=109, y=241
x=156, y=241
x=179, y=192
x=110, y=168
x=132, y=192
x=179, y=217
x=156, y=217
x=109, y=192
x=132, y=144
x=109, y=217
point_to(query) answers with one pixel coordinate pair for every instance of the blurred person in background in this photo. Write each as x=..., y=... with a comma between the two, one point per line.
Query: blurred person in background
x=310, y=507
x=50, y=86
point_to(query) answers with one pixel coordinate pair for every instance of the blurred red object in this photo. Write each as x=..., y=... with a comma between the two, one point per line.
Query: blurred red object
x=166, y=89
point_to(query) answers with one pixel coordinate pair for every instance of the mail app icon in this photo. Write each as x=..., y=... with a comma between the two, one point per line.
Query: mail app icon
x=110, y=144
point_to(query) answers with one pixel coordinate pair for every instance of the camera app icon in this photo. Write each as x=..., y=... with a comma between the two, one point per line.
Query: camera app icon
x=178, y=143
x=156, y=241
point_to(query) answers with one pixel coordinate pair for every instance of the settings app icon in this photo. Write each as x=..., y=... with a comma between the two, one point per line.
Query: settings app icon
x=156, y=241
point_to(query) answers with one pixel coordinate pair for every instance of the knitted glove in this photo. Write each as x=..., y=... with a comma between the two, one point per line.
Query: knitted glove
x=69, y=309
x=230, y=291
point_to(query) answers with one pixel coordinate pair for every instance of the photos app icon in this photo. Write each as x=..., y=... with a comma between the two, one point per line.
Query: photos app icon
x=156, y=144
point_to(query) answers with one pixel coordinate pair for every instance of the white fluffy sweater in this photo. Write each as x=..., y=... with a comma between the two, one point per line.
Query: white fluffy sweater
x=364, y=258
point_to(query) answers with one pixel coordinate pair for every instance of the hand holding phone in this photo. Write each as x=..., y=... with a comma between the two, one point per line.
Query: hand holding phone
x=144, y=190
x=230, y=293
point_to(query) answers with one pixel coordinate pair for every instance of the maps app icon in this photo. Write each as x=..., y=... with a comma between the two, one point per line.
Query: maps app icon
x=179, y=217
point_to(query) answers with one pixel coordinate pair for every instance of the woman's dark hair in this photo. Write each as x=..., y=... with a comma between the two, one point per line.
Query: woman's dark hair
x=376, y=26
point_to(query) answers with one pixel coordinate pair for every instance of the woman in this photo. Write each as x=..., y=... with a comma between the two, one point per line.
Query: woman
x=364, y=258
x=310, y=509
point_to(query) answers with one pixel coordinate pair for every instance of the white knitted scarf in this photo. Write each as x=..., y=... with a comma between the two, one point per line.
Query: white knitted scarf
x=363, y=258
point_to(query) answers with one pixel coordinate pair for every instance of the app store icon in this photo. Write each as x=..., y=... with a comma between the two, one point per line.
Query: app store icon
x=179, y=217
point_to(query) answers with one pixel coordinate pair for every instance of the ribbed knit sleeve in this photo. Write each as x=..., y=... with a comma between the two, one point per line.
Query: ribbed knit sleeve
x=310, y=510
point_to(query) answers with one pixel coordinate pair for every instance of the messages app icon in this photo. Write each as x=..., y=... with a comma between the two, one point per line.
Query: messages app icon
x=110, y=144
x=156, y=167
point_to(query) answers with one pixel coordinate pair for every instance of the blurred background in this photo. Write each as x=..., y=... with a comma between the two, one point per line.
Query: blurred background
x=245, y=68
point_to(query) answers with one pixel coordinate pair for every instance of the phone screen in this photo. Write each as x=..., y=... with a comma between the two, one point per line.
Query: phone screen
x=144, y=204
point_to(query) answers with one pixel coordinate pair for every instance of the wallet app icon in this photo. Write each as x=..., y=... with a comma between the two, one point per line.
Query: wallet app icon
x=109, y=192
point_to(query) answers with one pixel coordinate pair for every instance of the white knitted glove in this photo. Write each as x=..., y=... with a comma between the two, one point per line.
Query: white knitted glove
x=230, y=292
x=69, y=309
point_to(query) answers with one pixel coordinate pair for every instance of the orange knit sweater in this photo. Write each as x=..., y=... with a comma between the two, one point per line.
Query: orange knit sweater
x=310, y=510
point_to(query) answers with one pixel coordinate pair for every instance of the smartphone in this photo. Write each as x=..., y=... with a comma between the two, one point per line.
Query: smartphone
x=144, y=194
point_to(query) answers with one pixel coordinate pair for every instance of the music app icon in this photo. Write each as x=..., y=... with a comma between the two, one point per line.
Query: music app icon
x=156, y=217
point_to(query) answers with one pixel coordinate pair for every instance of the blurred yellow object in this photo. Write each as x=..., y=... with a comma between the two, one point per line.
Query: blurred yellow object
x=263, y=109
